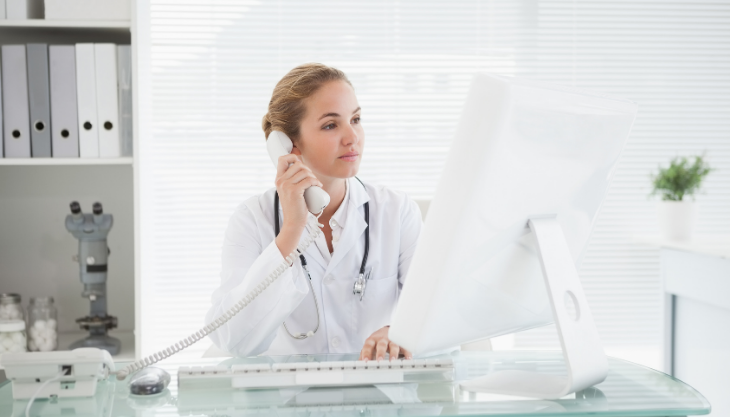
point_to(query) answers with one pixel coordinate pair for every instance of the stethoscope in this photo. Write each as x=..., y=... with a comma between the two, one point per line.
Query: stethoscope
x=362, y=280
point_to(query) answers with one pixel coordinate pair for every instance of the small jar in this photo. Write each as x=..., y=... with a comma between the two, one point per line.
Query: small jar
x=10, y=308
x=12, y=336
x=42, y=325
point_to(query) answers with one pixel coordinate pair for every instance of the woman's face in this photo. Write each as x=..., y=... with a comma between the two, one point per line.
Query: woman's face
x=331, y=137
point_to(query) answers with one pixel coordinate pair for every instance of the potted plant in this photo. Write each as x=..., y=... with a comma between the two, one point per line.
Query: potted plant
x=677, y=185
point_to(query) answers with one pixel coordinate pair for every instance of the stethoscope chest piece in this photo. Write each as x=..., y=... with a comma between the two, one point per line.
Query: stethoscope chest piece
x=360, y=285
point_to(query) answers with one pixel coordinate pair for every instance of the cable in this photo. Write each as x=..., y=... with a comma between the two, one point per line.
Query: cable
x=38, y=391
x=223, y=318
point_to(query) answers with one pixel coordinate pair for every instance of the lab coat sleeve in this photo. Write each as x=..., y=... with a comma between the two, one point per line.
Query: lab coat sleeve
x=245, y=264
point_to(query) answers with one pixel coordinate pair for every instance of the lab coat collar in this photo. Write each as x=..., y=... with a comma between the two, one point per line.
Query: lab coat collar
x=355, y=223
x=355, y=220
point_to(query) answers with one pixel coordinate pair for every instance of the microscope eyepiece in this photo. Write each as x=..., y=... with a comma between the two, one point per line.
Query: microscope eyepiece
x=97, y=208
x=75, y=207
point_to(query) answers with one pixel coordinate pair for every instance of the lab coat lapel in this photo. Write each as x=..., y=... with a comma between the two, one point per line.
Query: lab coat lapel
x=312, y=251
x=355, y=227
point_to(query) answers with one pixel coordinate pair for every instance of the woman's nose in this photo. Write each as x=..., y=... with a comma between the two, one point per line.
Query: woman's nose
x=351, y=136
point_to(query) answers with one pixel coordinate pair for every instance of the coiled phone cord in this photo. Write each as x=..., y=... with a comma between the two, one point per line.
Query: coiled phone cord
x=225, y=317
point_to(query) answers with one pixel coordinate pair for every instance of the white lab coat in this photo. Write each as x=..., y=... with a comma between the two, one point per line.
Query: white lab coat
x=250, y=254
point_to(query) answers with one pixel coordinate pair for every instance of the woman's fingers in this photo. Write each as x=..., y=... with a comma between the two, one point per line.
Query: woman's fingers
x=406, y=354
x=393, y=350
x=368, y=349
x=296, y=174
x=292, y=170
x=284, y=162
x=301, y=176
x=380, y=348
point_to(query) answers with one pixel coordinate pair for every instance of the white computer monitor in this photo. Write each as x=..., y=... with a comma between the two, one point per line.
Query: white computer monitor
x=527, y=157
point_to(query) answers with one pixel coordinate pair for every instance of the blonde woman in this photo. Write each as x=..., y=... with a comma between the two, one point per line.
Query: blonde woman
x=312, y=308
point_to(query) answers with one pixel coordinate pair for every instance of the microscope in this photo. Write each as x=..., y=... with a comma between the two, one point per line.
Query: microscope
x=91, y=230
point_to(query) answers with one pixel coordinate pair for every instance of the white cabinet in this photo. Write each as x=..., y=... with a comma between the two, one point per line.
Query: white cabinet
x=697, y=282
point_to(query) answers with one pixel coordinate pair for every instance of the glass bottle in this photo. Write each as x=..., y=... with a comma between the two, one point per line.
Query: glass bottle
x=12, y=336
x=10, y=308
x=42, y=325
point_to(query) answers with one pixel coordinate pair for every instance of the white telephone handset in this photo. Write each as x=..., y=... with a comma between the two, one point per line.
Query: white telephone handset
x=278, y=144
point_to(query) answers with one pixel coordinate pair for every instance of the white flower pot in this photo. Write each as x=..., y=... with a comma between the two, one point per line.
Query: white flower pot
x=677, y=219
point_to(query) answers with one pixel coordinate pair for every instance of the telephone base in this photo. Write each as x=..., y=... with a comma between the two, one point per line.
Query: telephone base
x=82, y=369
x=105, y=342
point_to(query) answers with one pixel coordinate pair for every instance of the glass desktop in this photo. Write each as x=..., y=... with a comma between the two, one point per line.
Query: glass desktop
x=629, y=390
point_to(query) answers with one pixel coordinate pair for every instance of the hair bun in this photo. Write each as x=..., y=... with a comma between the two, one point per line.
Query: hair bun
x=266, y=125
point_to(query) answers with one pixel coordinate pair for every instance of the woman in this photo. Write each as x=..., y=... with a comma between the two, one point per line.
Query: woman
x=316, y=107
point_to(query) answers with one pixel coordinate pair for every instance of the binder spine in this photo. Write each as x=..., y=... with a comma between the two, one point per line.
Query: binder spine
x=16, y=132
x=86, y=96
x=40, y=106
x=105, y=57
x=2, y=126
x=64, y=117
x=124, y=76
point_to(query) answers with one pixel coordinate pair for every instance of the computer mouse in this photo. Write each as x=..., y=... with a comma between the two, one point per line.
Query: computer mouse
x=149, y=381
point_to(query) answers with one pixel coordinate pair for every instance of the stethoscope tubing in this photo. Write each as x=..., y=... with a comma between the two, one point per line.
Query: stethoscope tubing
x=360, y=282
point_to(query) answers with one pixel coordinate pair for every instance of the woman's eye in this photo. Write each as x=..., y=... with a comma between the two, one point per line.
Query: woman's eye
x=329, y=126
x=356, y=120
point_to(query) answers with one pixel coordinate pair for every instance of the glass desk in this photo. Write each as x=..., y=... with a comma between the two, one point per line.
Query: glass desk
x=629, y=390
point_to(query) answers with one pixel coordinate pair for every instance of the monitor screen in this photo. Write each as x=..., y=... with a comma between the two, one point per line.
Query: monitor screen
x=522, y=150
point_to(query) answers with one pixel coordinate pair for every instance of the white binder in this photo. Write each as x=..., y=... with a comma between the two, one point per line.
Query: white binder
x=64, y=118
x=106, y=100
x=86, y=98
x=2, y=16
x=124, y=77
x=16, y=129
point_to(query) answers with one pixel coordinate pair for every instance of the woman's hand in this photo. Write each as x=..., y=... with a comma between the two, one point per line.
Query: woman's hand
x=378, y=344
x=292, y=178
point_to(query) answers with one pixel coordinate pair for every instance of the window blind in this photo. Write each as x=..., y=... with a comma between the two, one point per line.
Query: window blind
x=212, y=66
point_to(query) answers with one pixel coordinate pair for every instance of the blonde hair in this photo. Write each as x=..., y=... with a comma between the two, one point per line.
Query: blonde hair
x=286, y=108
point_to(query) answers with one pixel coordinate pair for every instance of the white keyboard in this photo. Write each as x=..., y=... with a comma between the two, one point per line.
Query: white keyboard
x=319, y=374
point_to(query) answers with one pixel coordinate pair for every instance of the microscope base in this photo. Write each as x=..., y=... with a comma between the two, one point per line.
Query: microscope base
x=108, y=343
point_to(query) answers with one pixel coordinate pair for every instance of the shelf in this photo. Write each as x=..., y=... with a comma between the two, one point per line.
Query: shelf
x=72, y=24
x=64, y=161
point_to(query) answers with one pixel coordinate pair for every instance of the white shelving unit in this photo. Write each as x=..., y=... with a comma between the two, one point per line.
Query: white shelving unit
x=65, y=161
x=35, y=248
x=74, y=24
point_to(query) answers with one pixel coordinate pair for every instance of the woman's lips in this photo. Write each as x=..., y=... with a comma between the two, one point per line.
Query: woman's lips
x=350, y=157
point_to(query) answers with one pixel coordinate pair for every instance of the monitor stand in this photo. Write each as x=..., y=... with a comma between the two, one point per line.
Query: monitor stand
x=585, y=360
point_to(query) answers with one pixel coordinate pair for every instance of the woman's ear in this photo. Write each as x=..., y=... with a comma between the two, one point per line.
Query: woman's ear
x=296, y=150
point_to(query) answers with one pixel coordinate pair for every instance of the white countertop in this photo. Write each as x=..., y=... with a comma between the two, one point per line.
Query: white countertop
x=708, y=245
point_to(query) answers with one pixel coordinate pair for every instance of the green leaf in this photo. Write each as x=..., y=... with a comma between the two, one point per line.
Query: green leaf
x=681, y=178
